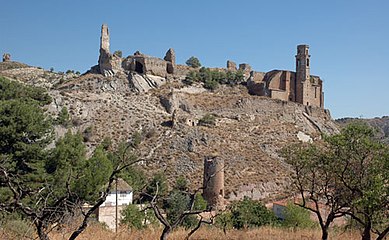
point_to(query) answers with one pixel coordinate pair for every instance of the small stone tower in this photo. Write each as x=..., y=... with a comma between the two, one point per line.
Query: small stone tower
x=302, y=74
x=213, y=182
x=104, y=39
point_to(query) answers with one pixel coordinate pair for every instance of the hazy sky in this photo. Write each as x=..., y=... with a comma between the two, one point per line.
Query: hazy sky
x=349, y=40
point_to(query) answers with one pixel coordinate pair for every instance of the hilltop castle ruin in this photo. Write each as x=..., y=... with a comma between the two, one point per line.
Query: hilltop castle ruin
x=299, y=86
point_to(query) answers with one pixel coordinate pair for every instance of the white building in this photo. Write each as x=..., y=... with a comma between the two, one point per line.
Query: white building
x=121, y=191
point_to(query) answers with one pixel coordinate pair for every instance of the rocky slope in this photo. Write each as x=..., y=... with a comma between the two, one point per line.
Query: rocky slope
x=380, y=124
x=248, y=133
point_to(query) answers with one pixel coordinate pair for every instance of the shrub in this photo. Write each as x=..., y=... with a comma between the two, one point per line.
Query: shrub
x=249, y=213
x=87, y=133
x=118, y=53
x=296, y=216
x=207, y=120
x=181, y=183
x=193, y=62
x=211, y=84
x=137, y=218
x=224, y=221
x=63, y=117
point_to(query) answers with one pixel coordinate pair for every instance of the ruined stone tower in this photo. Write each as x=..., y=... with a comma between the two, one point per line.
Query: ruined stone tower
x=104, y=39
x=213, y=182
x=302, y=74
x=108, y=64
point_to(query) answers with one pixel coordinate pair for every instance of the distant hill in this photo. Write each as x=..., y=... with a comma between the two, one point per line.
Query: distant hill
x=380, y=123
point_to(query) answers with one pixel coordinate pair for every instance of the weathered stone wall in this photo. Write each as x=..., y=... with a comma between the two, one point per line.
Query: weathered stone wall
x=231, y=65
x=107, y=215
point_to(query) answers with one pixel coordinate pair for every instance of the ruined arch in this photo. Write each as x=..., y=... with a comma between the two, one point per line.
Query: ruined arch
x=139, y=68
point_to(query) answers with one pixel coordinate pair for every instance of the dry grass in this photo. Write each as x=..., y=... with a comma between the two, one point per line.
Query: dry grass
x=96, y=232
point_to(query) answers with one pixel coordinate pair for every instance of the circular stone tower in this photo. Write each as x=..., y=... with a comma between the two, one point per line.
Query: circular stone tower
x=213, y=182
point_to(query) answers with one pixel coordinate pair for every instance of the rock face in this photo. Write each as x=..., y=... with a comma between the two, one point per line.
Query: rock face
x=6, y=57
x=170, y=56
x=144, y=82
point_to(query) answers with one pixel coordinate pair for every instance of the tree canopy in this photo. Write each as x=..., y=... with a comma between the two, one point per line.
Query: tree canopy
x=348, y=174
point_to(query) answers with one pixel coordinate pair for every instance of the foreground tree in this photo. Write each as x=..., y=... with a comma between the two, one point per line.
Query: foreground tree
x=178, y=208
x=48, y=186
x=346, y=174
x=362, y=169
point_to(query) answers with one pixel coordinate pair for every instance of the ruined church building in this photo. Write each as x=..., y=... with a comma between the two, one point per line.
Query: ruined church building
x=299, y=86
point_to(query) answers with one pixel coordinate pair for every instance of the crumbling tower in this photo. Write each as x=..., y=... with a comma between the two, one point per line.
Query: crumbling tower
x=302, y=74
x=109, y=64
x=213, y=182
x=104, y=39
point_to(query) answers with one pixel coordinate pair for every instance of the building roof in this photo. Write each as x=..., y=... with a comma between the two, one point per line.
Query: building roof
x=121, y=185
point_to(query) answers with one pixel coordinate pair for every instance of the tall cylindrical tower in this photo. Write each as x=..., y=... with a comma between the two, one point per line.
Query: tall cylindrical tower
x=302, y=73
x=213, y=182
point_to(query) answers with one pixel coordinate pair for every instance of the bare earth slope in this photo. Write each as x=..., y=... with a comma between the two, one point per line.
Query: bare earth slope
x=248, y=133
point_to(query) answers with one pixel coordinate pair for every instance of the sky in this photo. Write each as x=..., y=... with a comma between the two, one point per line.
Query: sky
x=349, y=40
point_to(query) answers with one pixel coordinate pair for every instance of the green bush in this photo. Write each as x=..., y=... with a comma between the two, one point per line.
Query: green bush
x=181, y=184
x=193, y=62
x=178, y=202
x=64, y=117
x=224, y=221
x=296, y=216
x=207, y=120
x=211, y=84
x=212, y=78
x=249, y=213
x=136, y=218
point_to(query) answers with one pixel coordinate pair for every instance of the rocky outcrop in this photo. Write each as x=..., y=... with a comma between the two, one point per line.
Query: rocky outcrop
x=6, y=57
x=170, y=56
x=144, y=82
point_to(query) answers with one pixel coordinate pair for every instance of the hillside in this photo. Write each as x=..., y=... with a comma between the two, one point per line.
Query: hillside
x=248, y=133
x=380, y=124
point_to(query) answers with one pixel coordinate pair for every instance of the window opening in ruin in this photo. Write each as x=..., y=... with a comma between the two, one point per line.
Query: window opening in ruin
x=315, y=92
x=139, y=67
x=307, y=103
x=298, y=63
x=308, y=62
x=221, y=192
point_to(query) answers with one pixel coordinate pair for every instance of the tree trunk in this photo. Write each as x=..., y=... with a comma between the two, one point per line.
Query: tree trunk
x=383, y=234
x=366, y=235
x=41, y=232
x=324, y=233
x=165, y=233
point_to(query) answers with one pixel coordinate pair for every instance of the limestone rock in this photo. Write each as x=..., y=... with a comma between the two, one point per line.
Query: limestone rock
x=170, y=56
x=145, y=82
